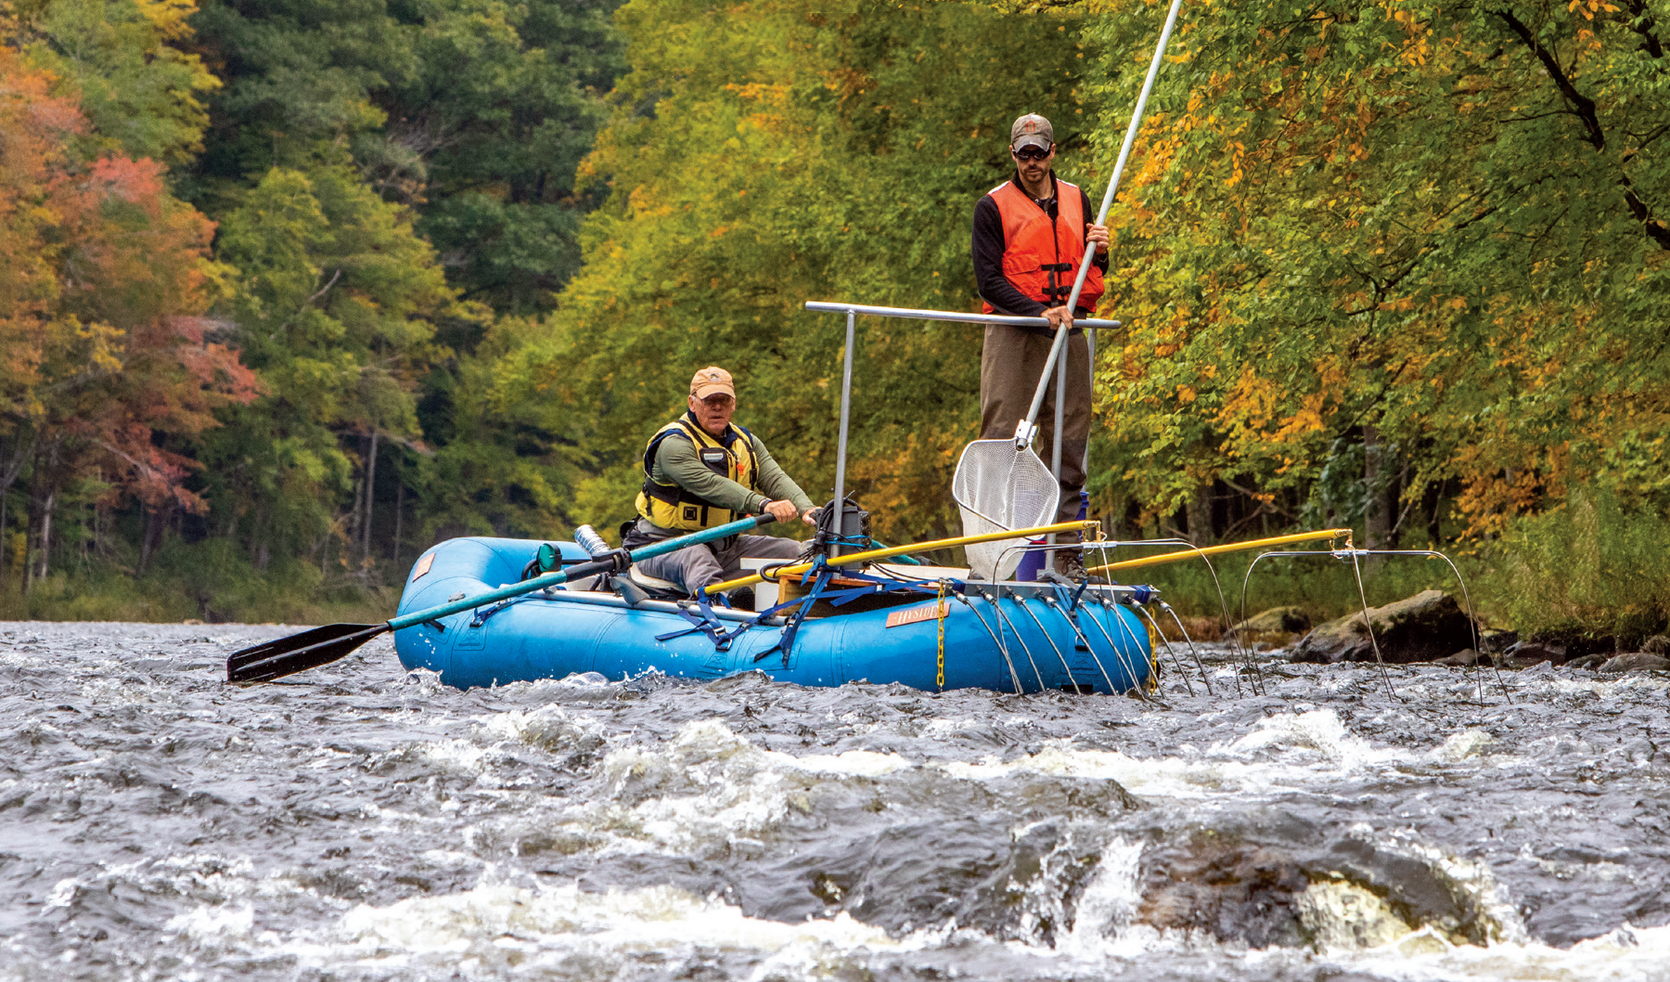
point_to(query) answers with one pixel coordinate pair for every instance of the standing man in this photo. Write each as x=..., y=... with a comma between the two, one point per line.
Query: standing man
x=1030, y=233
x=702, y=471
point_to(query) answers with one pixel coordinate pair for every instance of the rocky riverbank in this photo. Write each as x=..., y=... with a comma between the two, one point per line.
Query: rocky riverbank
x=1435, y=626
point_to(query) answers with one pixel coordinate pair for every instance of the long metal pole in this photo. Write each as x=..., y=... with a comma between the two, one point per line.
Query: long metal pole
x=874, y=555
x=1090, y=343
x=957, y=316
x=841, y=440
x=1023, y=432
x=1055, y=456
x=1172, y=557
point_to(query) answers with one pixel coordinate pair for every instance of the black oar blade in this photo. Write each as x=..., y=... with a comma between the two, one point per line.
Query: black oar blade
x=298, y=652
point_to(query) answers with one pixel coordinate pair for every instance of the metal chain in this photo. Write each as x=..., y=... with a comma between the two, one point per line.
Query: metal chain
x=940, y=604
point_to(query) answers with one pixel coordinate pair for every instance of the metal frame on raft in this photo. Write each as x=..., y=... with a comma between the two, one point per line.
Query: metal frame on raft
x=852, y=310
x=1249, y=666
x=1347, y=552
x=1354, y=554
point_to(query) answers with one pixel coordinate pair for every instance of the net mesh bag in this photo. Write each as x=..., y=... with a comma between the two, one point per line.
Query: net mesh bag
x=1000, y=488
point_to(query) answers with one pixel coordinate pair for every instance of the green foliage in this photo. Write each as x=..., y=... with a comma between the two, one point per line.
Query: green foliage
x=509, y=460
x=337, y=301
x=125, y=63
x=1592, y=567
x=211, y=581
x=474, y=113
x=1444, y=225
x=767, y=154
x=1324, y=587
x=1377, y=260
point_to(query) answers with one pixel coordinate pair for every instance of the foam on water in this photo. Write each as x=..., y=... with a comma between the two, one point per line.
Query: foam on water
x=1283, y=752
x=367, y=824
x=502, y=923
x=1627, y=954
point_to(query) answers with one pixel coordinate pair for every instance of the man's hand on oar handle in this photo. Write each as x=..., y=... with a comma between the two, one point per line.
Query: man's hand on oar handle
x=1062, y=316
x=785, y=511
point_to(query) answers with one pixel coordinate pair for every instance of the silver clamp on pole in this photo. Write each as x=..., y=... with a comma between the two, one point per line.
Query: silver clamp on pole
x=1025, y=433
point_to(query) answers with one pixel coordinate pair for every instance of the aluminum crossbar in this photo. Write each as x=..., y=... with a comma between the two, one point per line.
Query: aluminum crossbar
x=852, y=310
x=961, y=317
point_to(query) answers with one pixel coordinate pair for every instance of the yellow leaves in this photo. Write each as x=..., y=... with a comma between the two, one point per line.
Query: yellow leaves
x=169, y=17
x=1589, y=8
x=1238, y=155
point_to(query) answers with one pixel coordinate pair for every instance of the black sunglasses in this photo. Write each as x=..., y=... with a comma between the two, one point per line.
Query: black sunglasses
x=1031, y=153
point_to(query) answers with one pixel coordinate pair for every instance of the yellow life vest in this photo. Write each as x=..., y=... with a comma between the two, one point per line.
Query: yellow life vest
x=671, y=506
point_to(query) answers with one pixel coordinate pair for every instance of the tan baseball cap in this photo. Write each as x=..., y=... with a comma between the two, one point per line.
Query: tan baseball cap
x=1031, y=130
x=710, y=380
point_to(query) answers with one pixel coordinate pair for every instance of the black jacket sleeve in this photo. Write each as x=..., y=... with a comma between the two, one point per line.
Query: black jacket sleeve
x=994, y=287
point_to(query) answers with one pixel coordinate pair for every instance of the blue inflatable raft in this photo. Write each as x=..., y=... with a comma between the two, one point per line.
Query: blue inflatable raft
x=1009, y=637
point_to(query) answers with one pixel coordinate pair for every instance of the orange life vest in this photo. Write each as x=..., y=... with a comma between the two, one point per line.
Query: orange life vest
x=1041, y=255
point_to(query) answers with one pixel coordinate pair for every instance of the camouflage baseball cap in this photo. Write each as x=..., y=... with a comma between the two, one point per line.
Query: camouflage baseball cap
x=1031, y=130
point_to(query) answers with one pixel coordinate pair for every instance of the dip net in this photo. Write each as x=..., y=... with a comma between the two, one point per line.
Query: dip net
x=1000, y=488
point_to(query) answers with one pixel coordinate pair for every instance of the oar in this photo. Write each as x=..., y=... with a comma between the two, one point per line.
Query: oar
x=323, y=645
x=872, y=555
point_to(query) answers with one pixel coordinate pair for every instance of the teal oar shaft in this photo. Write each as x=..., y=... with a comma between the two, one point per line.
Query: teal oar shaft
x=323, y=645
x=563, y=575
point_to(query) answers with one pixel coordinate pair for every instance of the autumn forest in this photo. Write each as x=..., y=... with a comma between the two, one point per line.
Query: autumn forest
x=290, y=289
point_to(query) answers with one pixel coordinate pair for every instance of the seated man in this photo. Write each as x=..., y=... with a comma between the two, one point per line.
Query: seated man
x=700, y=471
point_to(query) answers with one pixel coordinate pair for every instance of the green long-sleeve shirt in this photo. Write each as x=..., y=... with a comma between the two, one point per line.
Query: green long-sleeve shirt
x=676, y=462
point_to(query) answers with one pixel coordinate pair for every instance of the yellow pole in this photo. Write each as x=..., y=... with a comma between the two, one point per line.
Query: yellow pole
x=890, y=551
x=1172, y=557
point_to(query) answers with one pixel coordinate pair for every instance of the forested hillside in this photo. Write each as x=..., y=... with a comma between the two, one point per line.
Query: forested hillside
x=291, y=289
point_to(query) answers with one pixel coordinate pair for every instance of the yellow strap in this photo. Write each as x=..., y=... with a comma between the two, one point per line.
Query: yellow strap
x=874, y=554
x=1172, y=557
x=940, y=603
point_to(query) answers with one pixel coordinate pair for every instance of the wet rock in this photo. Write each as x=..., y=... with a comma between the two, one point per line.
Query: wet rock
x=1636, y=661
x=1277, y=626
x=1590, y=662
x=1266, y=879
x=1493, y=642
x=1426, y=627
x=1466, y=658
x=1225, y=888
x=1524, y=654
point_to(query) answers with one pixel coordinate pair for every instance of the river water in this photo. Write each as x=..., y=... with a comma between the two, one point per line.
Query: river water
x=361, y=823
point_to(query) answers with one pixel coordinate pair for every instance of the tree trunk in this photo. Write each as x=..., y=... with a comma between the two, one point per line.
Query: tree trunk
x=1377, y=518
x=370, y=496
x=1430, y=502
x=44, y=544
x=5, y=535
x=145, y=540
x=1199, y=516
x=11, y=465
x=399, y=514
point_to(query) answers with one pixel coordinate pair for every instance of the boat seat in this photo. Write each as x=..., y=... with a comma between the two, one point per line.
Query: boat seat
x=655, y=586
x=635, y=585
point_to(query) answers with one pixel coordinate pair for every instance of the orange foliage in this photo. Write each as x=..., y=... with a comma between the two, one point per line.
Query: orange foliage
x=104, y=278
